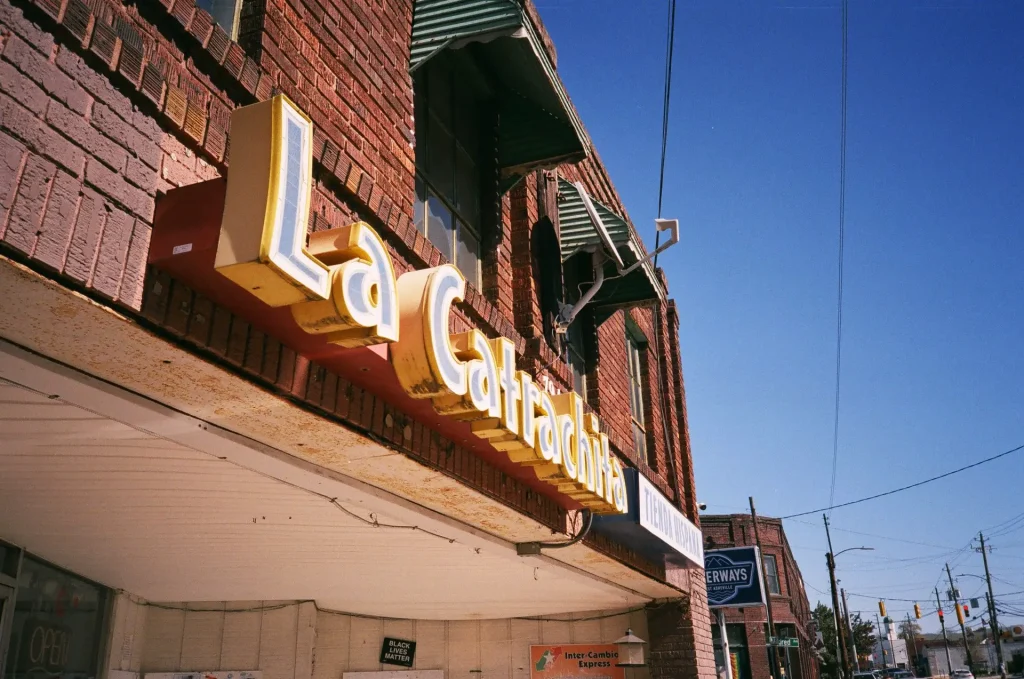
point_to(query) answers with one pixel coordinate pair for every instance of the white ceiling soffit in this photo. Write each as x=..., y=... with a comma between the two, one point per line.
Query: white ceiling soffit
x=140, y=497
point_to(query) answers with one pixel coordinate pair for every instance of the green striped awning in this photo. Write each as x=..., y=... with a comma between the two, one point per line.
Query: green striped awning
x=538, y=126
x=578, y=232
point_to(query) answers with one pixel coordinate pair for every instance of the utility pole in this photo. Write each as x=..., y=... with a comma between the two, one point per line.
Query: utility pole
x=960, y=618
x=773, y=663
x=945, y=639
x=830, y=560
x=992, y=611
x=849, y=628
x=913, y=639
x=881, y=644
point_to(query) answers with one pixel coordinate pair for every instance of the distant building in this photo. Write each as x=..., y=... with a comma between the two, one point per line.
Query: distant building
x=890, y=652
x=931, y=658
x=747, y=628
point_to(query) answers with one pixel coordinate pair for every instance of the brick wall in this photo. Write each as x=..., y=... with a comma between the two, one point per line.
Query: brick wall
x=680, y=641
x=789, y=607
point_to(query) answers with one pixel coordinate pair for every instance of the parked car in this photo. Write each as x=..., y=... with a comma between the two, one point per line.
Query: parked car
x=867, y=675
x=962, y=674
x=901, y=674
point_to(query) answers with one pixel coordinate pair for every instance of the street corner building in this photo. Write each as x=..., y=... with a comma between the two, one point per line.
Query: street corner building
x=328, y=349
x=747, y=628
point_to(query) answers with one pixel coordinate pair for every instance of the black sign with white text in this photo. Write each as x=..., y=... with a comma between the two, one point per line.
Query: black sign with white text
x=397, y=652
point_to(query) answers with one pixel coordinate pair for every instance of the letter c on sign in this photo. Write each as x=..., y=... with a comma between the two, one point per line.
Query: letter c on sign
x=423, y=357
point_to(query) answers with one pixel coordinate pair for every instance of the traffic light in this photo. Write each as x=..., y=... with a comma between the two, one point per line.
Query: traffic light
x=881, y=608
x=917, y=611
x=959, y=614
x=940, y=615
x=967, y=611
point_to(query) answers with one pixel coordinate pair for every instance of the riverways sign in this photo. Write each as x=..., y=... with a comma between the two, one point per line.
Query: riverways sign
x=733, y=577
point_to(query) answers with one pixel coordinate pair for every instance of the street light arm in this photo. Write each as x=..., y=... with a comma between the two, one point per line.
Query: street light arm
x=851, y=549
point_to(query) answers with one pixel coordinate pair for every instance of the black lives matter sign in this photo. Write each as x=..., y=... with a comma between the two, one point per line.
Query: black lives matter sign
x=397, y=652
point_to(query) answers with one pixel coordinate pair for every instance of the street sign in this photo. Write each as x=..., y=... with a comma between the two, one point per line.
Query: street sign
x=733, y=577
x=792, y=643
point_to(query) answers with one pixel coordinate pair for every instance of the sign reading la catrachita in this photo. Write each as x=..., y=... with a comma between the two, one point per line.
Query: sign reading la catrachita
x=342, y=286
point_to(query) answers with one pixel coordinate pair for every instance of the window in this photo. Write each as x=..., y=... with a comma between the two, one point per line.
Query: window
x=449, y=132
x=52, y=604
x=636, y=391
x=224, y=12
x=771, y=570
x=578, y=271
x=546, y=260
x=574, y=356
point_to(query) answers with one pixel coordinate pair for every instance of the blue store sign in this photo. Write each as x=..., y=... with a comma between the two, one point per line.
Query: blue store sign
x=653, y=526
x=733, y=577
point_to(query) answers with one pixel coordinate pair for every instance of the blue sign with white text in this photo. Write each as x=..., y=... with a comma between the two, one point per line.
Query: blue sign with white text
x=733, y=577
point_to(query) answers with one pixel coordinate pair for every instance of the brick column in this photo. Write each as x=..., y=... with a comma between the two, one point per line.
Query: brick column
x=680, y=644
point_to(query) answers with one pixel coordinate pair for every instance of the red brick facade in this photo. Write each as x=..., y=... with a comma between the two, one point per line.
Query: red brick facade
x=790, y=606
x=105, y=105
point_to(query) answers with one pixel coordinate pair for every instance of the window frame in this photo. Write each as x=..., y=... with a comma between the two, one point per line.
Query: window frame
x=428, y=123
x=636, y=345
x=768, y=575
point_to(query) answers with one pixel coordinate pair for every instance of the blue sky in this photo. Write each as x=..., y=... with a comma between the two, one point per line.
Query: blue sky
x=933, y=371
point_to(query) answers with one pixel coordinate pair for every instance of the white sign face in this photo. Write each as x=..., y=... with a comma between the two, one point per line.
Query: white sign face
x=663, y=520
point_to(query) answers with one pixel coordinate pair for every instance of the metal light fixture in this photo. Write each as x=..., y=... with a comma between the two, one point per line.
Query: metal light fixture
x=631, y=650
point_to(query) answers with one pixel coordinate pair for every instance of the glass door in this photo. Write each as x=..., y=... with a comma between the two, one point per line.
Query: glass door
x=6, y=613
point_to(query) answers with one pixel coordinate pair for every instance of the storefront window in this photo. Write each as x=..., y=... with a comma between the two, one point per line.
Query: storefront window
x=57, y=625
x=738, y=656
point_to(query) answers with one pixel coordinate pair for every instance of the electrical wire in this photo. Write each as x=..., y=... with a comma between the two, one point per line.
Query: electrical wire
x=907, y=487
x=842, y=240
x=875, y=535
x=669, y=50
x=331, y=611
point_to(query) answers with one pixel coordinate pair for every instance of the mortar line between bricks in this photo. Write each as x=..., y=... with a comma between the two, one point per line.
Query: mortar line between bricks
x=74, y=224
x=14, y=190
x=42, y=212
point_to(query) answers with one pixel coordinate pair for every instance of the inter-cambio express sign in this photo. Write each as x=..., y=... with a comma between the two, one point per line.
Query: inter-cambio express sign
x=568, y=661
x=342, y=285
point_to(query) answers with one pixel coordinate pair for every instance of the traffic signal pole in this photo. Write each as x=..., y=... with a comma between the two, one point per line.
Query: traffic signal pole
x=945, y=639
x=960, y=618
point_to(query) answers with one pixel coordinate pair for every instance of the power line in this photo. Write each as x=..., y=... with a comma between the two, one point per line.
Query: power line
x=842, y=240
x=880, y=537
x=908, y=487
x=669, y=49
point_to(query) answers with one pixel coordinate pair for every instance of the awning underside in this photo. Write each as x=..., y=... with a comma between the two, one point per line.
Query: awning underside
x=578, y=232
x=538, y=127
